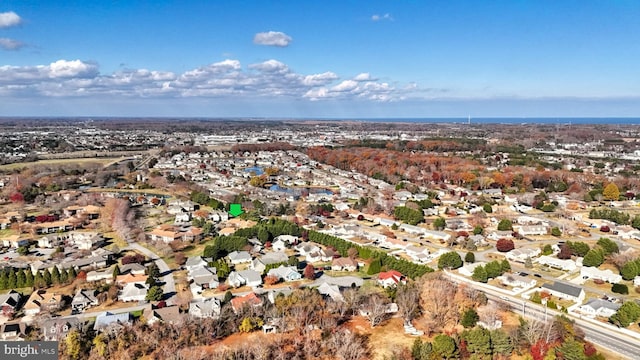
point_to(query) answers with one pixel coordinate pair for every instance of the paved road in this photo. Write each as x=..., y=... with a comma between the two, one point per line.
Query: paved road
x=604, y=335
x=169, y=287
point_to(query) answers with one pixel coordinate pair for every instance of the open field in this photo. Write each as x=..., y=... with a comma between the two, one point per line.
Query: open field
x=53, y=162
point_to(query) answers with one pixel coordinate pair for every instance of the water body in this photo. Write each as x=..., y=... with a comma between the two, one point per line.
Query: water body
x=512, y=120
x=256, y=170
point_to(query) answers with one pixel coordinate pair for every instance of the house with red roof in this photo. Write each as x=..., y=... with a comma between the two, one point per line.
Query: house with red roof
x=251, y=299
x=390, y=278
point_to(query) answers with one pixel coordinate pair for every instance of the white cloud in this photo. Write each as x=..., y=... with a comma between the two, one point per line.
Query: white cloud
x=9, y=19
x=272, y=38
x=269, y=80
x=346, y=85
x=10, y=44
x=319, y=79
x=74, y=68
x=377, y=17
x=363, y=77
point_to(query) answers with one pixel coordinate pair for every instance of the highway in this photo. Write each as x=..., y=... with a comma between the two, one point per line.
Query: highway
x=603, y=335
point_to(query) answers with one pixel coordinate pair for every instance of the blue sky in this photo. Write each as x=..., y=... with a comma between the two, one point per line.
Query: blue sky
x=320, y=58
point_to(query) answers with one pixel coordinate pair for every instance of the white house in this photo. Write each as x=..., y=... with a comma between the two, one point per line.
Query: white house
x=286, y=273
x=599, y=307
x=203, y=308
x=517, y=280
x=133, y=292
x=239, y=257
x=589, y=272
x=566, y=265
x=467, y=270
x=522, y=254
x=565, y=291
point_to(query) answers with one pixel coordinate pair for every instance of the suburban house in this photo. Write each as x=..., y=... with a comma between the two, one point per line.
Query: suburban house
x=52, y=227
x=239, y=257
x=15, y=241
x=285, y=273
x=566, y=265
x=41, y=300
x=85, y=240
x=105, y=275
x=84, y=299
x=565, y=291
x=194, y=262
x=245, y=277
x=344, y=264
x=133, y=291
x=56, y=329
x=9, y=303
x=589, y=272
x=251, y=299
x=467, y=269
x=522, y=254
x=275, y=257
x=164, y=315
x=110, y=322
x=599, y=307
x=14, y=331
x=517, y=280
x=49, y=241
x=131, y=278
x=133, y=269
x=205, y=308
x=204, y=278
x=390, y=278
x=332, y=291
x=531, y=230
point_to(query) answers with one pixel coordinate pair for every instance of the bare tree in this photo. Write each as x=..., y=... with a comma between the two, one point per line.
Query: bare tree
x=345, y=345
x=375, y=308
x=438, y=301
x=408, y=300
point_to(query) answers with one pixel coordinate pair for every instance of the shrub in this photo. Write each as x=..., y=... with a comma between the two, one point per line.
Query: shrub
x=505, y=245
x=620, y=289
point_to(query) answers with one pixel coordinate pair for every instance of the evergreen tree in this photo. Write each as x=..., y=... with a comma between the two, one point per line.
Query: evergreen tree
x=571, y=349
x=501, y=343
x=28, y=278
x=505, y=266
x=3, y=279
x=450, y=260
x=593, y=258
x=480, y=274
x=479, y=341
x=154, y=293
x=608, y=246
x=46, y=276
x=470, y=258
x=374, y=267
x=445, y=347
x=116, y=271
x=494, y=269
x=71, y=273
x=55, y=276
x=153, y=270
x=469, y=318
x=21, y=279
x=64, y=276
x=12, y=279
x=39, y=281
x=629, y=270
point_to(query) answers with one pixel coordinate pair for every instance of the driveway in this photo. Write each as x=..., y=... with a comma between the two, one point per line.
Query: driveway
x=166, y=273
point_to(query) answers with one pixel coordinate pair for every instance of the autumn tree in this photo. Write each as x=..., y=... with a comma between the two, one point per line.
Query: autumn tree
x=504, y=245
x=611, y=192
x=309, y=272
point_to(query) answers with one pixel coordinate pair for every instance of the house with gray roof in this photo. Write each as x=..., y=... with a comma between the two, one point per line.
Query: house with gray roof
x=285, y=273
x=84, y=299
x=56, y=329
x=133, y=291
x=599, y=307
x=205, y=308
x=565, y=291
x=110, y=322
x=239, y=257
x=9, y=303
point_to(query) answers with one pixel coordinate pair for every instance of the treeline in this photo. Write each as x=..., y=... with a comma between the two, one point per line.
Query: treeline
x=408, y=215
x=202, y=198
x=407, y=268
x=11, y=278
x=267, y=146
